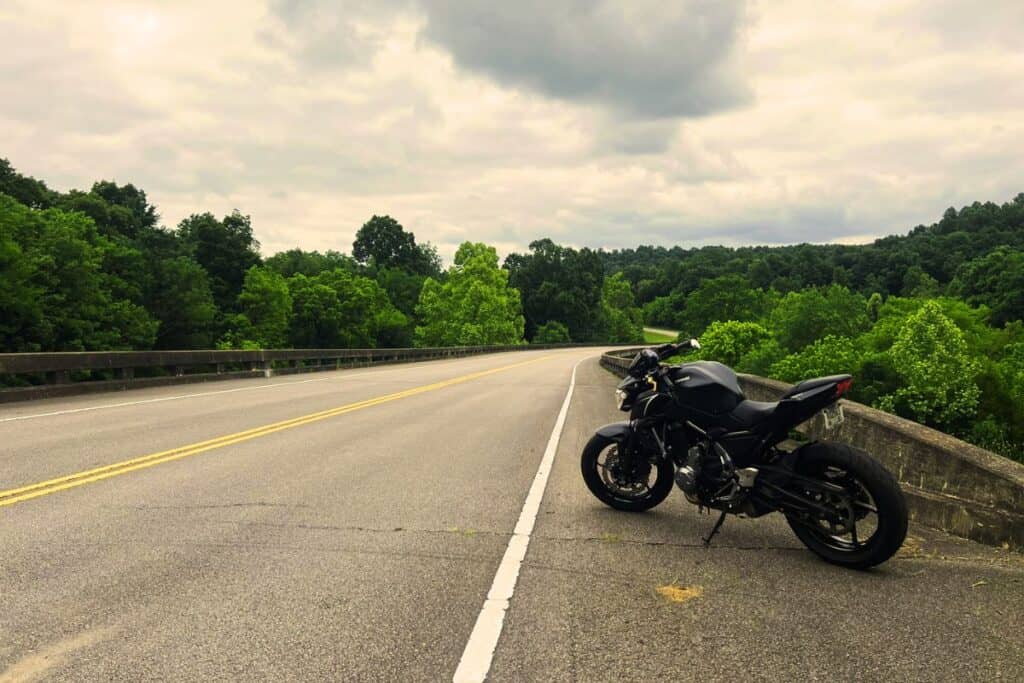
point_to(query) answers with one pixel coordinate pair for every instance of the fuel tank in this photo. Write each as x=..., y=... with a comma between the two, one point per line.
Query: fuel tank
x=706, y=387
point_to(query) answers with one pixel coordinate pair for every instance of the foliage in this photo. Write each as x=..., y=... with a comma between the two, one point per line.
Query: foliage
x=559, y=283
x=474, y=306
x=56, y=293
x=995, y=279
x=830, y=355
x=931, y=357
x=729, y=341
x=622, y=320
x=266, y=305
x=802, y=317
x=383, y=243
x=339, y=309
x=552, y=332
x=226, y=249
x=308, y=263
x=180, y=296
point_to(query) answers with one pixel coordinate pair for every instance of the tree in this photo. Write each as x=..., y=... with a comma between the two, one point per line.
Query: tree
x=622, y=321
x=938, y=374
x=58, y=297
x=802, y=317
x=383, y=243
x=226, y=249
x=552, y=332
x=143, y=215
x=475, y=306
x=308, y=263
x=25, y=189
x=266, y=304
x=179, y=295
x=339, y=309
x=830, y=355
x=729, y=297
x=996, y=279
x=559, y=283
x=316, y=314
x=728, y=341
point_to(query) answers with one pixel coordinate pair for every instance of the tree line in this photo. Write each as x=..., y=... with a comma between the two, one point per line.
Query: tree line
x=928, y=322
x=95, y=270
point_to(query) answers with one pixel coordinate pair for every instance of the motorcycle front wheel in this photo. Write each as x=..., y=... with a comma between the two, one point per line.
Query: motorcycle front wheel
x=622, y=482
x=867, y=524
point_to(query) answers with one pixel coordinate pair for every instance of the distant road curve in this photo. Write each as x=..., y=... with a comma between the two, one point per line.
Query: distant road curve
x=659, y=330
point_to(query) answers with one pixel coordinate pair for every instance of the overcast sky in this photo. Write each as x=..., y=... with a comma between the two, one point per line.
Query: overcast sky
x=603, y=124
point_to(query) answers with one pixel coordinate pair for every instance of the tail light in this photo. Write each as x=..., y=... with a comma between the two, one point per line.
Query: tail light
x=843, y=387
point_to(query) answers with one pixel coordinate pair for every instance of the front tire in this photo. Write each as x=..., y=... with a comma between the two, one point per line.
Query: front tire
x=874, y=493
x=611, y=479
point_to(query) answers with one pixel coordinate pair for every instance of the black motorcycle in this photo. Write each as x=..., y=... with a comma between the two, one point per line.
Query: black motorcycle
x=692, y=425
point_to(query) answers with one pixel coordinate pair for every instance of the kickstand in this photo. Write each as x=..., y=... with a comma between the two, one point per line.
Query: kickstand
x=714, y=529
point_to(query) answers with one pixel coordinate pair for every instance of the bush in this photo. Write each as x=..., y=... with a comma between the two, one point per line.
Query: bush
x=552, y=332
x=729, y=341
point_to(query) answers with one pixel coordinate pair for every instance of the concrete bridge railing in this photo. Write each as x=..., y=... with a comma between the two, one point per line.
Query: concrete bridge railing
x=949, y=484
x=46, y=375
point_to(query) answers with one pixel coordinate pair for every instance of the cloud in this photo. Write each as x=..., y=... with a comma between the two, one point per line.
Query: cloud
x=595, y=124
x=648, y=58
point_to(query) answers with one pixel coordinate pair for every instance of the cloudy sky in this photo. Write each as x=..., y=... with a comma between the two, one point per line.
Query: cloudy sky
x=596, y=123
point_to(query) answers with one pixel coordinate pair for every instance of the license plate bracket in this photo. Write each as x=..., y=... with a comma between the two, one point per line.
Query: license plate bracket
x=833, y=416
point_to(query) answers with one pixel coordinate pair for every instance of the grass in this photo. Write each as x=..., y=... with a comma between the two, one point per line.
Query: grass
x=656, y=337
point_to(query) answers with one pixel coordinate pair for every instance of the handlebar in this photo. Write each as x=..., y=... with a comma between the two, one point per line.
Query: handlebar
x=648, y=359
x=666, y=350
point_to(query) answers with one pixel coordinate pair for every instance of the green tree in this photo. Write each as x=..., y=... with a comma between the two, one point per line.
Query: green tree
x=560, y=283
x=55, y=261
x=179, y=294
x=339, y=309
x=308, y=263
x=800, y=318
x=24, y=189
x=729, y=297
x=552, y=332
x=316, y=314
x=384, y=243
x=996, y=279
x=622, y=320
x=728, y=341
x=830, y=355
x=226, y=249
x=266, y=304
x=938, y=374
x=475, y=306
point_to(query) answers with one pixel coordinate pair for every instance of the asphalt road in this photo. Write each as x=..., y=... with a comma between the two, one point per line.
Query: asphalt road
x=321, y=534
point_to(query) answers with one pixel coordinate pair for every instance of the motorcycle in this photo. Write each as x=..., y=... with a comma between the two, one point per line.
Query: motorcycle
x=691, y=425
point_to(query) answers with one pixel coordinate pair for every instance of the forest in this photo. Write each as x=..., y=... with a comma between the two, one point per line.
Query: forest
x=929, y=322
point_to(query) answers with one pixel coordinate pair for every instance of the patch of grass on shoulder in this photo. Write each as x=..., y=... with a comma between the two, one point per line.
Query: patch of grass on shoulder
x=656, y=337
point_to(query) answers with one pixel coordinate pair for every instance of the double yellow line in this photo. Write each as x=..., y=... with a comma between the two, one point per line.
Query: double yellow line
x=43, y=488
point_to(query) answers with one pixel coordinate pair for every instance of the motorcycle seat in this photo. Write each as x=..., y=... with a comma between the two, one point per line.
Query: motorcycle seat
x=749, y=413
x=809, y=384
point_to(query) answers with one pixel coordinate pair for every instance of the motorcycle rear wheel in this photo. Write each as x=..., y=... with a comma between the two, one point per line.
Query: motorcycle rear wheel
x=877, y=506
x=608, y=477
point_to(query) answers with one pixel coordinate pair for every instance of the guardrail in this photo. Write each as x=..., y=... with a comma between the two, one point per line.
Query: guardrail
x=46, y=375
x=949, y=484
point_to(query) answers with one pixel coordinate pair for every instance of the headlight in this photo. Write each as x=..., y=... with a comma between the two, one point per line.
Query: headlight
x=620, y=397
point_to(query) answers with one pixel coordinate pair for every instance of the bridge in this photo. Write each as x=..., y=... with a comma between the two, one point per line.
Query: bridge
x=427, y=521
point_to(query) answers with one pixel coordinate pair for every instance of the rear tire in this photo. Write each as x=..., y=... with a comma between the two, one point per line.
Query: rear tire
x=591, y=466
x=875, y=484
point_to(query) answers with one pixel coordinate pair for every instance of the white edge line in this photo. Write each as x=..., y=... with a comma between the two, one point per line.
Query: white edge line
x=479, y=651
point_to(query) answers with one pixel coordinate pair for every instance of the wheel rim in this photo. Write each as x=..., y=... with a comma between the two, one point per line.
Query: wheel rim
x=622, y=479
x=855, y=521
